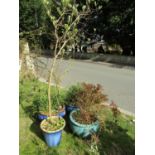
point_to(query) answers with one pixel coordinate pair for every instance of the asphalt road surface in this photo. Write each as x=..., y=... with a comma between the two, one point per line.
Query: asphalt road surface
x=118, y=81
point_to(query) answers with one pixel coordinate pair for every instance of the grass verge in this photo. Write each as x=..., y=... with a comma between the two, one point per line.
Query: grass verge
x=114, y=138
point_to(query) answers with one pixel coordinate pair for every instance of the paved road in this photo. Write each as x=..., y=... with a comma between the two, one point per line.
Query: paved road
x=117, y=81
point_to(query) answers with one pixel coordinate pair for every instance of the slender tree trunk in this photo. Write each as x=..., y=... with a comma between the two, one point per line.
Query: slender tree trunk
x=51, y=74
x=49, y=85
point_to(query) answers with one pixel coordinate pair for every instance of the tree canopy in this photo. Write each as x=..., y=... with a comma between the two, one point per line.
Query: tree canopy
x=109, y=20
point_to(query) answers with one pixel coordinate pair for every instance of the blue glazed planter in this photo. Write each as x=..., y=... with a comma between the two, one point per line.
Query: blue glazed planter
x=70, y=108
x=52, y=138
x=82, y=130
x=62, y=113
x=43, y=116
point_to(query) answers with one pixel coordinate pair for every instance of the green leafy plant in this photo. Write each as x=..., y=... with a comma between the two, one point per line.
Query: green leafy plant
x=40, y=103
x=34, y=93
x=41, y=100
x=71, y=95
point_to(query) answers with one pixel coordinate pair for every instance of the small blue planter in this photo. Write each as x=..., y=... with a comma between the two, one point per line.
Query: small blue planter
x=70, y=108
x=43, y=116
x=62, y=113
x=52, y=138
x=82, y=130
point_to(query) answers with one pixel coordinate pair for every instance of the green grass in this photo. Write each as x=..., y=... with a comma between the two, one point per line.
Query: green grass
x=114, y=139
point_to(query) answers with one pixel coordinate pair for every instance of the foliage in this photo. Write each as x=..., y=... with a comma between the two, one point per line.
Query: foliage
x=112, y=21
x=33, y=23
x=41, y=100
x=121, y=141
x=52, y=124
x=115, y=138
x=71, y=95
x=89, y=95
x=31, y=15
x=115, y=111
x=33, y=92
x=94, y=144
x=40, y=103
x=64, y=17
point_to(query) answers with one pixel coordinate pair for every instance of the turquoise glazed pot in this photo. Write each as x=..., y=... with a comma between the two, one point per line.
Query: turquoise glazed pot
x=82, y=130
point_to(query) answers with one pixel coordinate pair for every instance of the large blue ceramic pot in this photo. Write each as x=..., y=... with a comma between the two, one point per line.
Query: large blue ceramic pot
x=70, y=108
x=82, y=130
x=52, y=138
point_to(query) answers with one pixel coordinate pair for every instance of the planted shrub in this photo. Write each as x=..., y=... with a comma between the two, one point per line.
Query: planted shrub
x=72, y=93
x=40, y=103
x=87, y=97
x=41, y=100
x=33, y=94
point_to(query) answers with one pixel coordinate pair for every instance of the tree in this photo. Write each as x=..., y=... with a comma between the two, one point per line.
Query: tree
x=113, y=21
x=33, y=23
x=64, y=17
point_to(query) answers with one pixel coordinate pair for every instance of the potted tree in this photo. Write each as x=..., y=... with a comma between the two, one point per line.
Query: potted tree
x=84, y=121
x=52, y=128
x=40, y=101
x=64, y=17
